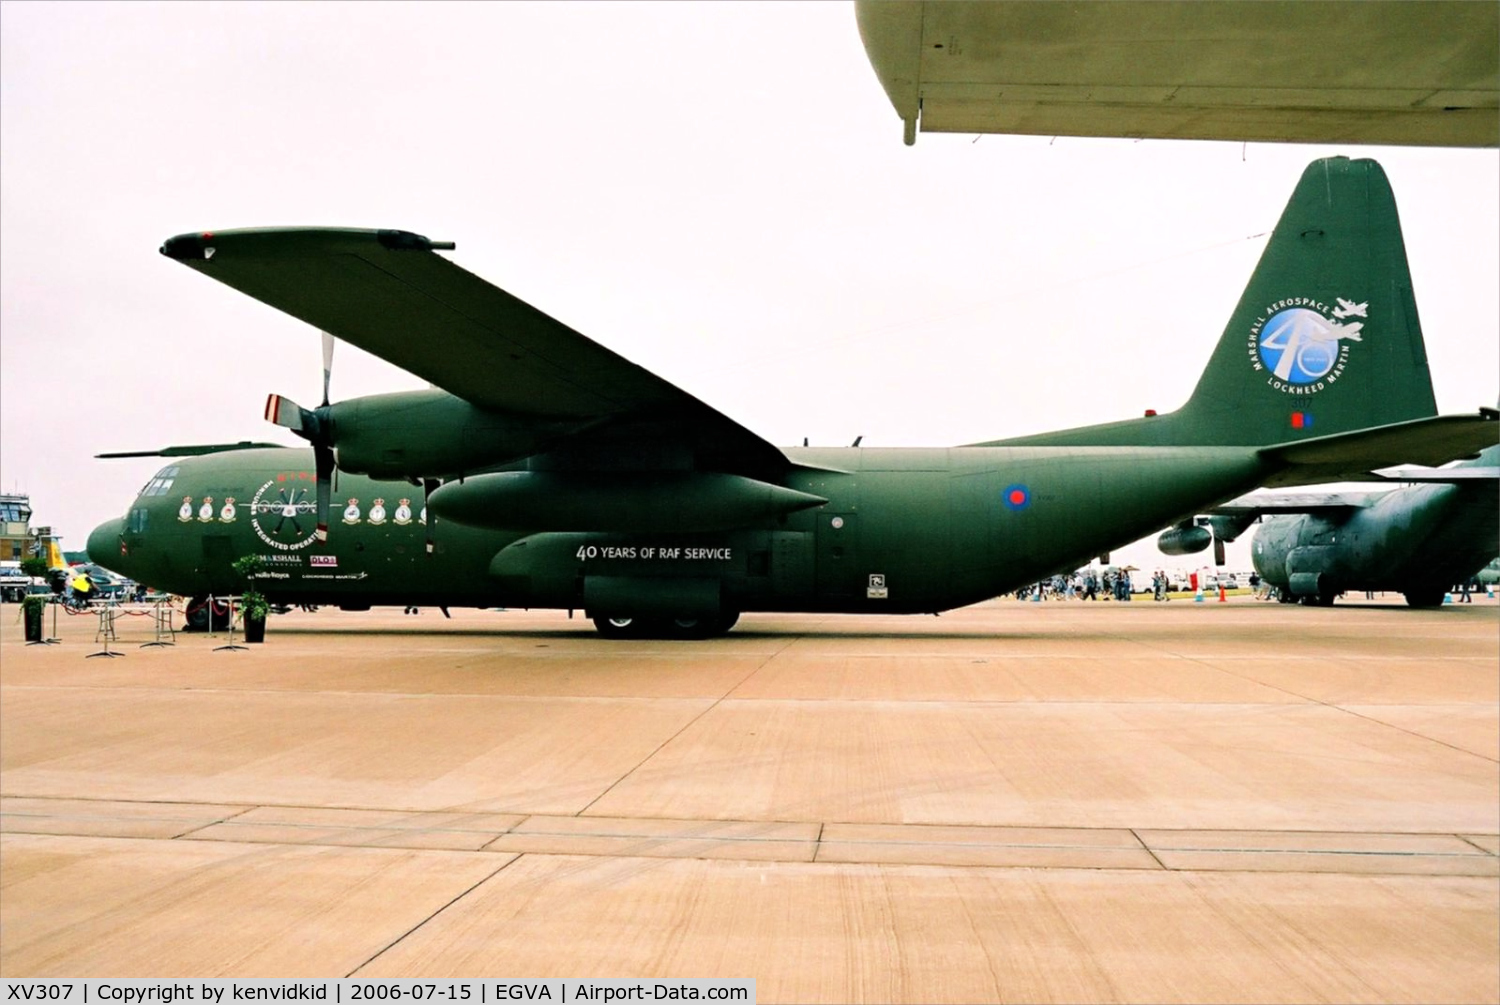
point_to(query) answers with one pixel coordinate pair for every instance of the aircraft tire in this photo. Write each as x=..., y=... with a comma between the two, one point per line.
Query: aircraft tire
x=619, y=628
x=196, y=618
x=700, y=628
x=665, y=628
x=1424, y=597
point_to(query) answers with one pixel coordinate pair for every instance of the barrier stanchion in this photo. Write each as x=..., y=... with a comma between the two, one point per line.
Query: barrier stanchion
x=230, y=644
x=162, y=615
x=106, y=630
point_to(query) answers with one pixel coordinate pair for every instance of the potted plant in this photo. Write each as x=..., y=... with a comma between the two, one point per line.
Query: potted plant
x=253, y=603
x=32, y=607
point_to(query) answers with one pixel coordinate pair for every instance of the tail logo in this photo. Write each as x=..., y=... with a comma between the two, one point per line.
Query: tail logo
x=1302, y=345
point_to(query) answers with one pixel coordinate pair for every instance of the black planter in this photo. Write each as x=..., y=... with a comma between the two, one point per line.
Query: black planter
x=32, y=615
x=255, y=629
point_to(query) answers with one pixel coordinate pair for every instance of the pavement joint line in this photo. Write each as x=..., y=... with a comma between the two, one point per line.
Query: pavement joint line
x=1465, y=840
x=819, y=839
x=1149, y=850
x=965, y=866
x=224, y=820
x=404, y=935
x=686, y=726
x=1337, y=708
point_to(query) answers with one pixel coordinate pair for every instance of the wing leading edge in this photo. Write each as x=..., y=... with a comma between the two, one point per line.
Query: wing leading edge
x=387, y=292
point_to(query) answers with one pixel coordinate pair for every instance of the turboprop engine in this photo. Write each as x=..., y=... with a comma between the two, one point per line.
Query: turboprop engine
x=616, y=502
x=1184, y=540
x=415, y=434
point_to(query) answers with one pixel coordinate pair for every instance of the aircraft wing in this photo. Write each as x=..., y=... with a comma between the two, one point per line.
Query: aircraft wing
x=387, y=292
x=1353, y=456
x=1401, y=73
x=1257, y=503
x=190, y=450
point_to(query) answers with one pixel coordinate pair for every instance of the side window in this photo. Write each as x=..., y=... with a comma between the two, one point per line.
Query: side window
x=162, y=483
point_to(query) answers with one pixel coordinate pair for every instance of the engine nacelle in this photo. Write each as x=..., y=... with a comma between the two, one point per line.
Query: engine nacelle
x=1184, y=540
x=615, y=502
x=415, y=434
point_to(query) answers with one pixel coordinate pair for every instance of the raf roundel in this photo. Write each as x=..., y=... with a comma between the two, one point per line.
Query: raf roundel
x=1016, y=497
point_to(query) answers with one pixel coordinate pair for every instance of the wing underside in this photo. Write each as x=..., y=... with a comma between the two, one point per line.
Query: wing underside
x=389, y=293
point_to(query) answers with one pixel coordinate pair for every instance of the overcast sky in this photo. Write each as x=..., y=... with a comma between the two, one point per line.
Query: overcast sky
x=717, y=191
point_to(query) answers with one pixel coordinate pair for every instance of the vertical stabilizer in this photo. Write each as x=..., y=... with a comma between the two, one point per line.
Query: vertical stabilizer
x=1325, y=338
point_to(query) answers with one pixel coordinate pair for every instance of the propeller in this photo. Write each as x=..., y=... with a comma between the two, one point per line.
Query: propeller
x=429, y=486
x=315, y=426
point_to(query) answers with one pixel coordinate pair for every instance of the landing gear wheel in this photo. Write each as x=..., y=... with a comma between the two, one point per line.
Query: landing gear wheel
x=1428, y=597
x=698, y=628
x=199, y=612
x=688, y=628
x=618, y=628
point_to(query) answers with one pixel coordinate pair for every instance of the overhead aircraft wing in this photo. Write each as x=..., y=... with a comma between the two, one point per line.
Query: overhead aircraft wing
x=387, y=292
x=1408, y=73
x=1354, y=456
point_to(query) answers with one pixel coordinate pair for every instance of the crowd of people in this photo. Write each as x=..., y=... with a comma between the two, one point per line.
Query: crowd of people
x=1109, y=583
x=1088, y=584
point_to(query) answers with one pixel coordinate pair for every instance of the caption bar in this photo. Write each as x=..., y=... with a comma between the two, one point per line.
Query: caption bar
x=553, y=991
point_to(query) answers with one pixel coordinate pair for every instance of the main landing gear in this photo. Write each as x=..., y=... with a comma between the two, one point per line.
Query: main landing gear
x=1424, y=596
x=665, y=628
x=203, y=611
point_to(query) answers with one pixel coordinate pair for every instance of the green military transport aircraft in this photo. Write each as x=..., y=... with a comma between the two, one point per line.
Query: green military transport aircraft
x=561, y=475
x=1440, y=529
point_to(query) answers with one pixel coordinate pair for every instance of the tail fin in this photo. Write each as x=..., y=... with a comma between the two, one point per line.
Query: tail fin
x=1325, y=338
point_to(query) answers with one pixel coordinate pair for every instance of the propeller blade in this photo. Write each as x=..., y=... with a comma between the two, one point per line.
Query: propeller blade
x=429, y=486
x=327, y=365
x=286, y=412
x=1218, y=551
x=323, y=460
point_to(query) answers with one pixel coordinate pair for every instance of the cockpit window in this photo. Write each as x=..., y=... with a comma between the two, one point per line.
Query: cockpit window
x=162, y=483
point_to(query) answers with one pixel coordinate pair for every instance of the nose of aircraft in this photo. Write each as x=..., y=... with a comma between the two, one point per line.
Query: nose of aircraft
x=104, y=544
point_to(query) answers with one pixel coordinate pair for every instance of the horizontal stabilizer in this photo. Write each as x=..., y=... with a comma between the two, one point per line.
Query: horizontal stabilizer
x=1439, y=476
x=1356, y=455
x=1257, y=503
x=192, y=450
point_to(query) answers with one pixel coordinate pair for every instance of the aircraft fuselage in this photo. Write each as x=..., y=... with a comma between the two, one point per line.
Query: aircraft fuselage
x=902, y=531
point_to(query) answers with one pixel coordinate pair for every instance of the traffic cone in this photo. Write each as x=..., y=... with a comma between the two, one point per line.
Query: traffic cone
x=1222, y=599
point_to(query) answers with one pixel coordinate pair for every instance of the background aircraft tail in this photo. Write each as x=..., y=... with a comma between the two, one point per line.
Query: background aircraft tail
x=1325, y=338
